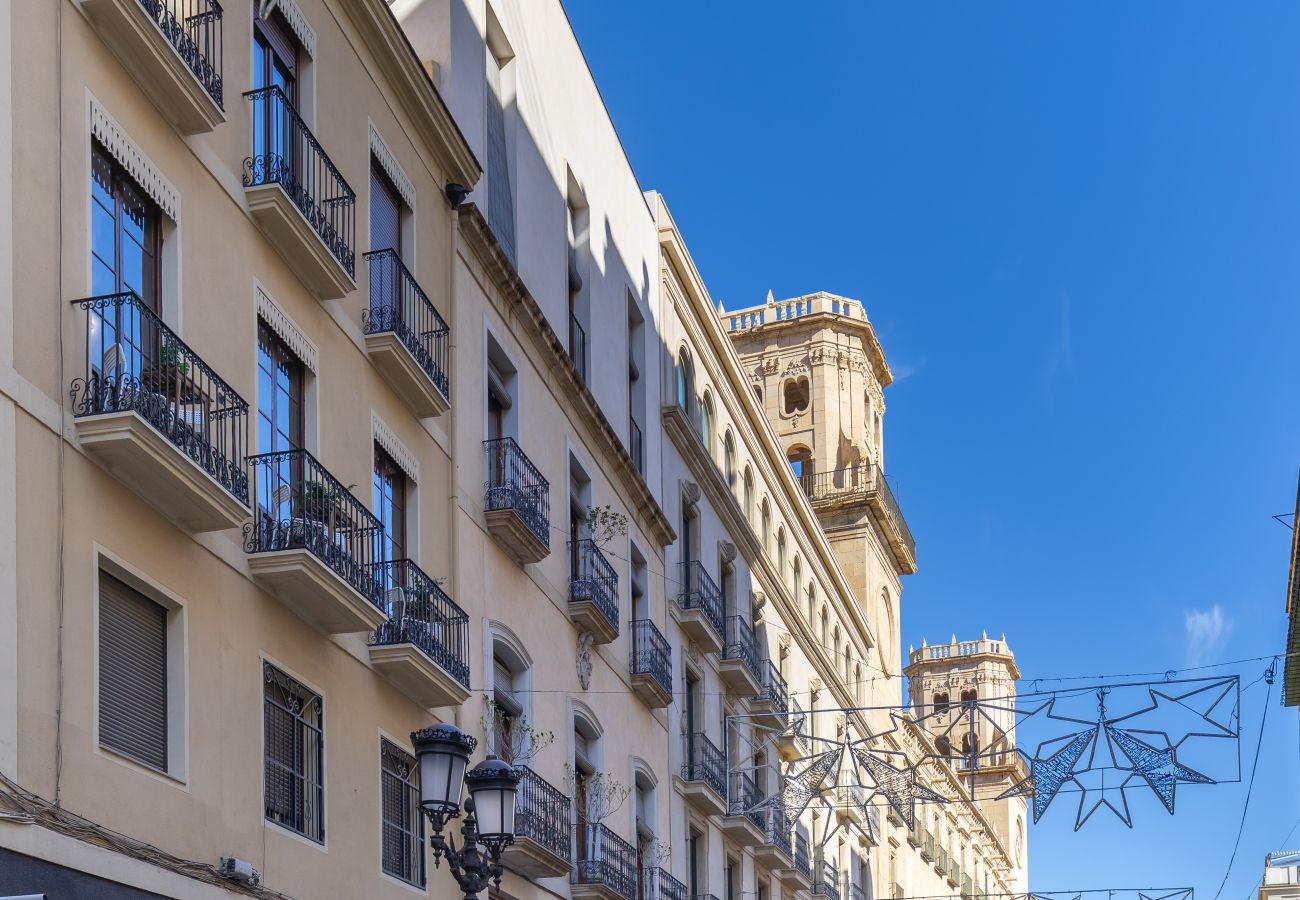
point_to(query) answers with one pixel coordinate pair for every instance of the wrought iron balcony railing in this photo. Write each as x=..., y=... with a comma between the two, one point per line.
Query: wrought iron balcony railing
x=651, y=653
x=135, y=363
x=700, y=591
x=802, y=855
x=854, y=481
x=513, y=482
x=543, y=813
x=742, y=797
x=193, y=28
x=285, y=152
x=827, y=883
x=852, y=795
x=855, y=892
x=421, y=613
x=775, y=690
x=578, y=346
x=593, y=579
x=776, y=829
x=658, y=884
x=742, y=644
x=895, y=513
x=602, y=857
x=636, y=445
x=301, y=506
x=703, y=761
x=398, y=304
x=967, y=886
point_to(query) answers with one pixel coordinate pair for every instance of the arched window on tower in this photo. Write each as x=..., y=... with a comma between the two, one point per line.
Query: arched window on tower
x=941, y=702
x=797, y=393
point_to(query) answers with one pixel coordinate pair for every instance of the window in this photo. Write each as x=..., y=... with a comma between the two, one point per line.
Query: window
x=498, y=98
x=390, y=506
x=500, y=400
x=800, y=459
x=733, y=879
x=133, y=697
x=275, y=65
x=125, y=236
x=578, y=230
x=941, y=702
x=695, y=864
x=796, y=395
x=635, y=386
x=402, y=822
x=385, y=211
x=706, y=423
x=685, y=381
x=969, y=696
x=812, y=603
x=798, y=576
x=279, y=393
x=506, y=735
x=729, y=460
x=749, y=495
x=780, y=552
x=766, y=526
x=293, y=722
x=637, y=584
x=727, y=587
x=825, y=627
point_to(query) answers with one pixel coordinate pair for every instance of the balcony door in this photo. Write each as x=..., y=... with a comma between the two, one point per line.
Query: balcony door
x=275, y=64
x=390, y=507
x=280, y=380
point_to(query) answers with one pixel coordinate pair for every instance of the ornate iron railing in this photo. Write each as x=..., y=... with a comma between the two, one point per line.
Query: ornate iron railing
x=513, y=482
x=543, y=813
x=602, y=857
x=827, y=883
x=285, y=152
x=193, y=28
x=651, y=653
x=398, y=304
x=593, y=579
x=578, y=346
x=636, y=445
x=301, y=506
x=854, y=481
x=703, y=761
x=802, y=855
x=895, y=513
x=775, y=690
x=743, y=796
x=700, y=591
x=421, y=613
x=135, y=363
x=658, y=884
x=855, y=892
x=776, y=829
x=742, y=644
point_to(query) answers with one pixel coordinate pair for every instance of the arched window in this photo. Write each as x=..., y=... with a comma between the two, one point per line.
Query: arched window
x=943, y=745
x=970, y=743
x=796, y=395
x=968, y=696
x=858, y=685
x=685, y=381
x=766, y=526
x=941, y=702
x=758, y=393
x=812, y=603
x=800, y=459
x=508, y=735
x=798, y=573
x=729, y=459
x=749, y=495
x=826, y=626
x=780, y=552
x=706, y=422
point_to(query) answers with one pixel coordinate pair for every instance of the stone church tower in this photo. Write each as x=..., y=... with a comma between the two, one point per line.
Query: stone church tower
x=941, y=678
x=817, y=368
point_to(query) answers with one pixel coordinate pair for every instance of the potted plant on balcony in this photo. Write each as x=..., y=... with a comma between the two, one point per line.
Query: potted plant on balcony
x=600, y=796
x=322, y=503
x=511, y=737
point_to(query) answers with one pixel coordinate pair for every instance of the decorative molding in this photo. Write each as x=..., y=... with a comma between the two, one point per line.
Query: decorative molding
x=583, y=659
x=278, y=321
x=727, y=550
x=814, y=688
x=784, y=643
x=297, y=21
x=385, y=438
x=388, y=162
x=106, y=130
x=690, y=492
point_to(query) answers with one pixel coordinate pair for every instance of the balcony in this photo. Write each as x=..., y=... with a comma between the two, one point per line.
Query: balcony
x=851, y=802
x=406, y=339
x=636, y=445
x=927, y=847
x=298, y=198
x=517, y=502
x=313, y=545
x=941, y=861
x=855, y=892
x=798, y=877
x=899, y=892
x=967, y=887
x=771, y=705
x=172, y=48
x=593, y=591
x=578, y=347
x=543, y=833
x=604, y=865
x=828, y=882
x=776, y=850
x=742, y=826
x=865, y=483
x=704, y=774
x=699, y=604
x=652, y=665
x=423, y=648
x=158, y=418
x=658, y=884
x=791, y=741
x=739, y=663
x=872, y=826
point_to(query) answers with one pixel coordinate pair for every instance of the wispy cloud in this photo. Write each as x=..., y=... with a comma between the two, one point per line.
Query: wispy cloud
x=1206, y=630
x=1060, y=355
x=904, y=370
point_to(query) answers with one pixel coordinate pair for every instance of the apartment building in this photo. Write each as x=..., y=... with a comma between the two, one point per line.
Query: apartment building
x=361, y=387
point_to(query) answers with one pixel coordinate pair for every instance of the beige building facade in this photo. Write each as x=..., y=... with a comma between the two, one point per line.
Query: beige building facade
x=349, y=382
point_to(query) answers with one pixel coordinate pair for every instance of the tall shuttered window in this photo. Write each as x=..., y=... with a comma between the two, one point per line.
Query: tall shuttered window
x=403, y=826
x=132, y=673
x=385, y=211
x=295, y=755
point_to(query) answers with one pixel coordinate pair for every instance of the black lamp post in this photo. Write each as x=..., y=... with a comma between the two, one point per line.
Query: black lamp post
x=489, y=826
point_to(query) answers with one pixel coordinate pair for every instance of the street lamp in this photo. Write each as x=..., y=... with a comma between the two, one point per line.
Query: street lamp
x=443, y=752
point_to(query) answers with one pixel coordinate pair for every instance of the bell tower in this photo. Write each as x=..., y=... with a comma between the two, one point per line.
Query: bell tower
x=819, y=373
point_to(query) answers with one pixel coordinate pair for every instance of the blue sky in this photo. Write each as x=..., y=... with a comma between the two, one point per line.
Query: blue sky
x=1075, y=226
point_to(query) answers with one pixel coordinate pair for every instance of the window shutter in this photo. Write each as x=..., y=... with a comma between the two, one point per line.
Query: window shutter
x=385, y=212
x=132, y=673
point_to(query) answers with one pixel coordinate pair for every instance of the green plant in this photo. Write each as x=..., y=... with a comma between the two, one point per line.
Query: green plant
x=603, y=524
x=170, y=355
x=511, y=737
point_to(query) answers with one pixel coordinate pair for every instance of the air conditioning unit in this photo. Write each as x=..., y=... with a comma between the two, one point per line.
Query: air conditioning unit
x=239, y=870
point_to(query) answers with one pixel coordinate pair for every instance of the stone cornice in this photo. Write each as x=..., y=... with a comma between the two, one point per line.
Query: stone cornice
x=394, y=56
x=622, y=470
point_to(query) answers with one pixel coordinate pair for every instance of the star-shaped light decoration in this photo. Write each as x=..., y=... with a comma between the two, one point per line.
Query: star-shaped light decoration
x=1160, y=768
x=801, y=788
x=1046, y=775
x=1093, y=796
x=899, y=786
